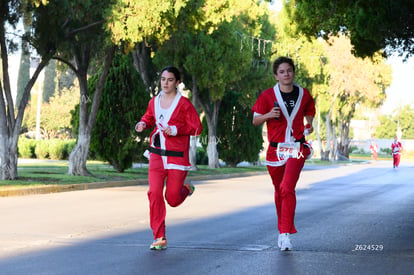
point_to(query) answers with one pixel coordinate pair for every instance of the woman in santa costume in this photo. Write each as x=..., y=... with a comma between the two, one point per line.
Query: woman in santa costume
x=374, y=150
x=288, y=111
x=175, y=120
x=396, y=152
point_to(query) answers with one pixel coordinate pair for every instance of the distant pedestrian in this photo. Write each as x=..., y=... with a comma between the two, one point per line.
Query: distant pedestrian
x=396, y=152
x=175, y=119
x=374, y=150
x=288, y=111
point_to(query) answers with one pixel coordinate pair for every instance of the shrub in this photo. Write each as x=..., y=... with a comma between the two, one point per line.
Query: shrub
x=201, y=156
x=26, y=147
x=42, y=149
x=386, y=151
x=70, y=144
x=57, y=149
x=354, y=149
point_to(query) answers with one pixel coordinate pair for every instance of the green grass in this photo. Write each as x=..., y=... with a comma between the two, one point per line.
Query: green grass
x=55, y=173
x=41, y=173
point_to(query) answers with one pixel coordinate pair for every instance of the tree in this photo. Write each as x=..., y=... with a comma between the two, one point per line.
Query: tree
x=200, y=38
x=371, y=25
x=24, y=68
x=11, y=118
x=83, y=38
x=388, y=127
x=402, y=118
x=239, y=140
x=217, y=55
x=353, y=82
x=49, y=85
x=124, y=101
x=311, y=67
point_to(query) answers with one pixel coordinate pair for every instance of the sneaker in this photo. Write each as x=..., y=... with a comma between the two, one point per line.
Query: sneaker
x=159, y=244
x=284, y=242
x=190, y=188
x=279, y=240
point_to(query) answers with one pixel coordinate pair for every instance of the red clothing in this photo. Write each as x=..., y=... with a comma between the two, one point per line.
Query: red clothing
x=183, y=116
x=374, y=150
x=277, y=129
x=396, y=153
x=175, y=193
x=285, y=172
x=163, y=168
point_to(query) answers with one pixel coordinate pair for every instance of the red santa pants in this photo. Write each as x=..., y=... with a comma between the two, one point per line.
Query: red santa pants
x=396, y=160
x=175, y=192
x=284, y=179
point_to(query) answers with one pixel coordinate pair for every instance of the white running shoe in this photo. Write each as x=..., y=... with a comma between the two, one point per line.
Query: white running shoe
x=284, y=242
x=279, y=240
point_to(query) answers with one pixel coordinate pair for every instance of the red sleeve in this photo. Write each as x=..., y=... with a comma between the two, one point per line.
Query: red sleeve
x=264, y=102
x=310, y=104
x=149, y=117
x=192, y=125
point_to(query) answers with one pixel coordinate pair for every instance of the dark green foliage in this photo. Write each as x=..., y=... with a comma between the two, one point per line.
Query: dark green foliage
x=201, y=156
x=237, y=138
x=386, y=151
x=372, y=25
x=23, y=76
x=124, y=100
x=49, y=85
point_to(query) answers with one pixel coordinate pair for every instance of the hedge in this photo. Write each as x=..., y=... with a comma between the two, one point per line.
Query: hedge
x=55, y=149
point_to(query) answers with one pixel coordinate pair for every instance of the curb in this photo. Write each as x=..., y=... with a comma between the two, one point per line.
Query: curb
x=24, y=191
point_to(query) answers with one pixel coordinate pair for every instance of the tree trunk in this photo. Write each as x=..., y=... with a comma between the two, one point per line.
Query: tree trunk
x=79, y=155
x=193, y=140
x=327, y=151
x=344, y=145
x=213, y=161
x=211, y=117
x=24, y=68
x=143, y=64
x=318, y=133
x=10, y=125
x=8, y=159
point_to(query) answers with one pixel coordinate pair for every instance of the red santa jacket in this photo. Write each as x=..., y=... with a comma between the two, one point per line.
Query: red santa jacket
x=185, y=122
x=287, y=127
x=396, y=147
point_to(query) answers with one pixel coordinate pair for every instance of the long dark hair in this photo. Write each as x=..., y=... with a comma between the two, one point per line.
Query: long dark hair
x=173, y=70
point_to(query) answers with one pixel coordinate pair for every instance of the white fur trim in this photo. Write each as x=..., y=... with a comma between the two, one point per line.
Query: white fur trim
x=275, y=163
x=177, y=167
x=289, y=118
x=173, y=130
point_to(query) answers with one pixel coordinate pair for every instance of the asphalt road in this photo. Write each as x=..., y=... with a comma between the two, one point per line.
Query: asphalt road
x=351, y=220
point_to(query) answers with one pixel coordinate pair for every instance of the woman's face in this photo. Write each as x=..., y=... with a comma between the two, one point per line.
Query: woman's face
x=168, y=82
x=285, y=74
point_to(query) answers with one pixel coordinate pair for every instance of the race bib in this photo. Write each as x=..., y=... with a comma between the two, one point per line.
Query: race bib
x=286, y=150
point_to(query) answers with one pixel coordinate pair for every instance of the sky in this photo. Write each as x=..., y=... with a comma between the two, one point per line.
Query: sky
x=400, y=92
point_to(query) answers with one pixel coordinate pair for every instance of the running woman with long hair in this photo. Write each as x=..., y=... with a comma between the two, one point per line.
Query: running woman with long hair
x=175, y=120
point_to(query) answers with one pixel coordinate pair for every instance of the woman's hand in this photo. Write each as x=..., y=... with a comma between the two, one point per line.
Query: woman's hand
x=140, y=126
